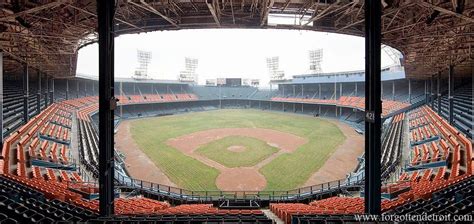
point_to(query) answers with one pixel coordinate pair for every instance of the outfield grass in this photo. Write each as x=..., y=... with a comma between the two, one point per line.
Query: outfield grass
x=285, y=172
x=256, y=151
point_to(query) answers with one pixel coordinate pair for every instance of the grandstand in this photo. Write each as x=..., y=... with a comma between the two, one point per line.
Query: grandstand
x=33, y=163
x=55, y=160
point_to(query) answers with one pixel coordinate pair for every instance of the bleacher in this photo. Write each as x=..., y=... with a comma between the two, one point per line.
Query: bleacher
x=417, y=186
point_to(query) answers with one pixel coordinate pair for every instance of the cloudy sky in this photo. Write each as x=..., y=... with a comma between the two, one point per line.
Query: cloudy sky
x=230, y=53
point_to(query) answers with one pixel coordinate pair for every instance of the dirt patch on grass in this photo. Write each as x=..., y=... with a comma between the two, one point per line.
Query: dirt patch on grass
x=138, y=164
x=285, y=141
x=343, y=160
x=240, y=178
x=237, y=148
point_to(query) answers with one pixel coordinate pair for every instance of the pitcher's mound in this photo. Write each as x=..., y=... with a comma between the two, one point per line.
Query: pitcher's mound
x=241, y=178
x=237, y=148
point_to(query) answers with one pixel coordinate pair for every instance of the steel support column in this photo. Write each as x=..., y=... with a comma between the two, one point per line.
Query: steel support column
x=25, y=93
x=77, y=88
x=340, y=95
x=67, y=89
x=355, y=91
x=432, y=93
x=38, y=94
x=426, y=91
x=107, y=104
x=393, y=90
x=451, y=94
x=373, y=107
x=271, y=95
x=1, y=99
x=46, y=96
x=319, y=89
x=438, y=95
x=381, y=88
x=52, y=91
x=409, y=91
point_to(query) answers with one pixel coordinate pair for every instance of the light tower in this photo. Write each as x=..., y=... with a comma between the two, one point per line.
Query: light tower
x=144, y=58
x=189, y=73
x=273, y=64
x=315, y=59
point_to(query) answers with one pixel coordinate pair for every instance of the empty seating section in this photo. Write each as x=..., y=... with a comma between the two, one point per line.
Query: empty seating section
x=24, y=204
x=38, y=181
x=463, y=109
x=454, y=199
x=193, y=213
x=303, y=100
x=155, y=98
x=88, y=141
x=13, y=106
x=416, y=190
x=388, y=106
x=214, y=92
x=83, y=113
x=60, y=191
x=391, y=145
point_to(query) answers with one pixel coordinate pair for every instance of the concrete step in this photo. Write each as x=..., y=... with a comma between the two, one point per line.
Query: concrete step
x=272, y=216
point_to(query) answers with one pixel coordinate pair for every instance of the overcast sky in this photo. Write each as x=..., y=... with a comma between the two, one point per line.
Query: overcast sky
x=230, y=53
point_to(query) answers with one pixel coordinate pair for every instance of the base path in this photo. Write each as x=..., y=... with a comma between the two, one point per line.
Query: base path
x=285, y=141
x=139, y=165
x=239, y=178
x=343, y=160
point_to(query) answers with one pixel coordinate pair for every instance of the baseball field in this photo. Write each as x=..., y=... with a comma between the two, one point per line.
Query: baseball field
x=236, y=149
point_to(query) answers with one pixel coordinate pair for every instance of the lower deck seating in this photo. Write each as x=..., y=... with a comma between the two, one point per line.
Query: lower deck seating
x=59, y=188
x=417, y=186
x=149, y=98
x=23, y=204
x=61, y=195
x=391, y=145
x=463, y=109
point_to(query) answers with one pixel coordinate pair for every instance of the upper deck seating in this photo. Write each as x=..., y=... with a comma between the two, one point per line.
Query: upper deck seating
x=388, y=106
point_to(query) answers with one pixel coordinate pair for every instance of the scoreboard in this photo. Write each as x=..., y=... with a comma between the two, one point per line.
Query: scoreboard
x=229, y=82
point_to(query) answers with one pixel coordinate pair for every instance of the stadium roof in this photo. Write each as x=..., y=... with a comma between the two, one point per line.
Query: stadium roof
x=48, y=34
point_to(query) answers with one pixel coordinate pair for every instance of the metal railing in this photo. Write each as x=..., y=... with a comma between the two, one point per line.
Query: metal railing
x=215, y=195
